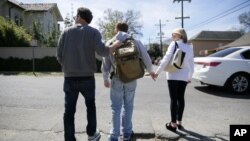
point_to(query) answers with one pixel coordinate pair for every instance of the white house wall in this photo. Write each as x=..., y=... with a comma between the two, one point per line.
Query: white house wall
x=49, y=21
x=46, y=19
x=54, y=21
x=27, y=52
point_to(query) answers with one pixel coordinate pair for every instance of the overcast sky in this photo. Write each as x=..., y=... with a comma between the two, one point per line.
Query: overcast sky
x=213, y=15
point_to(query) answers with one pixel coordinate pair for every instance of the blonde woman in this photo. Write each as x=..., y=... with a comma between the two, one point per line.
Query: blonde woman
x=178, y=80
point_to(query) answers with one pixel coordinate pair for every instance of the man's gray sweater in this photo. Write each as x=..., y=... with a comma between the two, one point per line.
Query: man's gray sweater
x=76, y=50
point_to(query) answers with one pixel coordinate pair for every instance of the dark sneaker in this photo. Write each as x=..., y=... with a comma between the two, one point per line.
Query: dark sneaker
x=127, y=136
x=95, y=137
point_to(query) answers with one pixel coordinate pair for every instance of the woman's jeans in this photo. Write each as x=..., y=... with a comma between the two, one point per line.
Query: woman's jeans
x=72, y=87
x=177, y=90
x=122, y=94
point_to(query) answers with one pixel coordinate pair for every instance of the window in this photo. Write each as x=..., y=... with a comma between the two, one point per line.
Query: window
x=224, y=52
x=16, y=20
x=58, y=27
x=21, y=21
x=246, y=54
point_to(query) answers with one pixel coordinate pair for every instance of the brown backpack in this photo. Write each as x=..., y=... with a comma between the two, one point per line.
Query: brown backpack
x=129, y=66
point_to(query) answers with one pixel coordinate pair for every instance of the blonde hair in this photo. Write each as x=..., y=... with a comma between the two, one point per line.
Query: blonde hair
x=181, y=32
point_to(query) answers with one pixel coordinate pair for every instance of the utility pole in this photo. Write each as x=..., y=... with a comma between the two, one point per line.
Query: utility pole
x=72, y=15
x=182, y=17
x=149, y=43
x=160, y=34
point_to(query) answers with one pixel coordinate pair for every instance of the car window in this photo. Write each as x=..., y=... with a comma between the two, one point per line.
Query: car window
x=224, y=52
x=246, y=54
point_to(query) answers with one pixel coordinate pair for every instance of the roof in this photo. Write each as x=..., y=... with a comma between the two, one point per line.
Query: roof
x=43, y=7
x=242, y=41
x=217, y=35
x=38, y=6
x=16, y=3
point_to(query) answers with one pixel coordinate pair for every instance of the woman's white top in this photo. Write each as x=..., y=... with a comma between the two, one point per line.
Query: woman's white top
x=184, y=74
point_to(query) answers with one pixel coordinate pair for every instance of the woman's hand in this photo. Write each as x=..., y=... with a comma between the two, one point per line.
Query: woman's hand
x=152, y=74
x=107, y=83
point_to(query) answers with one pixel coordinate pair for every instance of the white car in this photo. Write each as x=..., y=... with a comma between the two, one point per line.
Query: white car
x=229, y=68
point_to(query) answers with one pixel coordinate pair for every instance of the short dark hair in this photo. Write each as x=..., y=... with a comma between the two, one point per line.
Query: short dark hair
x=85, y=14
x=122, y=27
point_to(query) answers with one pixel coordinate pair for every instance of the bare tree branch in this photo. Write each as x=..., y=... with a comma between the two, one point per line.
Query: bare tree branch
x=112, y=17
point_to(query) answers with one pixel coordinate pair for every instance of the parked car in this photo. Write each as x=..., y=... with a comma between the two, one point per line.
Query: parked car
x=229, y=68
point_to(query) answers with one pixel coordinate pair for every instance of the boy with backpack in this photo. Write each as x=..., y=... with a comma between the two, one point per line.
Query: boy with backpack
x=122, y=93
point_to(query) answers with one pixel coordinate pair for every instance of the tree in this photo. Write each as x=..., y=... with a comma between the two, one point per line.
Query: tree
x=37, y=32
x=68, y=21
x=244, y=19
x=154, y=51
x=111, y=18
x=53, y=37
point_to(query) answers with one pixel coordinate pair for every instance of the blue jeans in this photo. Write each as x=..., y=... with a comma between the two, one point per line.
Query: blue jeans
x=121, y=94
x=72, y=87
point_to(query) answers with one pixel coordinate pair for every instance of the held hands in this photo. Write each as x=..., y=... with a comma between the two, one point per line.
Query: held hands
x=107, y=83
x=153, y=75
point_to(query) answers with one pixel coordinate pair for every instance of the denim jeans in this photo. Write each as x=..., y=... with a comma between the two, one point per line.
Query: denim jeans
x=72, y=87
x=121, y=94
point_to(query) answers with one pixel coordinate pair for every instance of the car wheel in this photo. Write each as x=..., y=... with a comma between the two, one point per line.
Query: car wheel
x=239, y=83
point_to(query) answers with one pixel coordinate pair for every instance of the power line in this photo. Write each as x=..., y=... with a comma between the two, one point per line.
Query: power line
x=221, y=15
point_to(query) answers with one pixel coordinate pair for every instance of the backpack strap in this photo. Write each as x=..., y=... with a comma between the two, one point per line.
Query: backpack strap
x=176, y=46
x=112, y=61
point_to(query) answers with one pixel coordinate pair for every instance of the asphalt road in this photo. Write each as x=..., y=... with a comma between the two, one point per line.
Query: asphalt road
x=31, y=109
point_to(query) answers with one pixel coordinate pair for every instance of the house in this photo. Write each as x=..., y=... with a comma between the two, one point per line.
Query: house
x=242, y=41
x=210, y=40
x=12, y=10
x=47, y=14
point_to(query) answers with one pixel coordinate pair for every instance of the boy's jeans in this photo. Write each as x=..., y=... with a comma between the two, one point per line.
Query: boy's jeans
x=72, y=87
x=122, y=94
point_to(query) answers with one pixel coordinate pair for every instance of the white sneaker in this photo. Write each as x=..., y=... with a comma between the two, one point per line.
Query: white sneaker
x=95, y=137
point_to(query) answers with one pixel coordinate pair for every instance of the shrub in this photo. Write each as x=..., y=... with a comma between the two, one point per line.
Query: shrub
x=17, y=64
x=46, y=64
x=12, y=35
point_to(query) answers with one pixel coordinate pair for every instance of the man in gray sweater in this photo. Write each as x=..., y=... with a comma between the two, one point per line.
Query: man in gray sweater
x=76, y=54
